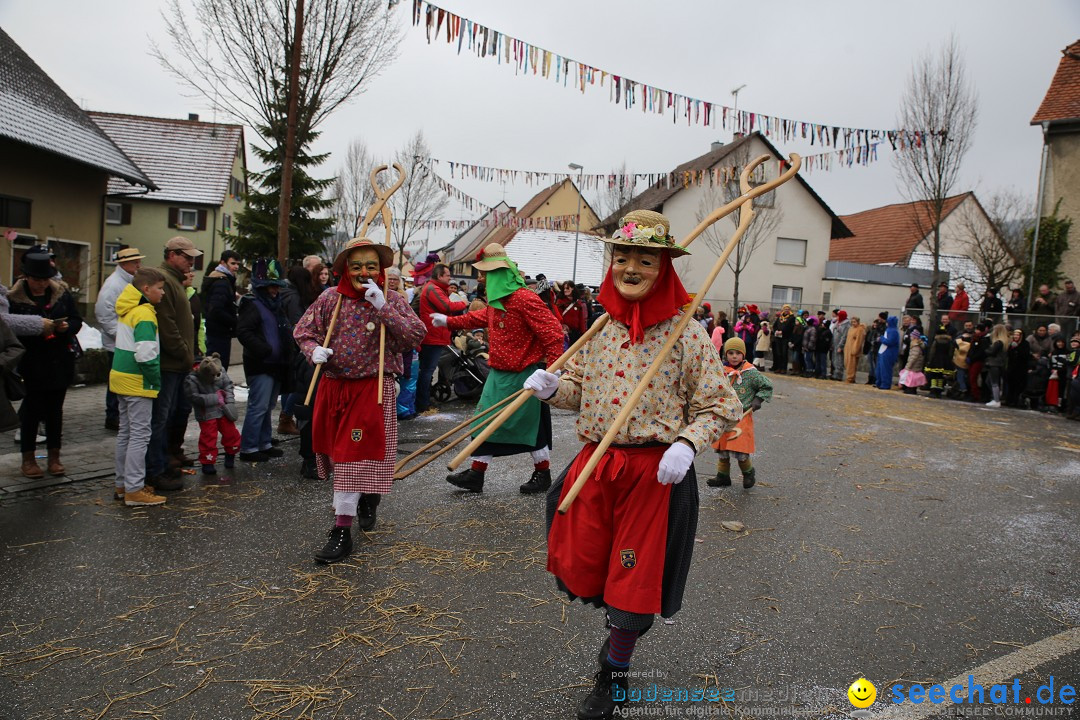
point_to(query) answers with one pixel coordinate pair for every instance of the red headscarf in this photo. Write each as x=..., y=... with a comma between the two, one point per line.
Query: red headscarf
x=664, y=301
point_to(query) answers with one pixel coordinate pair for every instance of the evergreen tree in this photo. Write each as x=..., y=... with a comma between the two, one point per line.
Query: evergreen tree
x=256, y=225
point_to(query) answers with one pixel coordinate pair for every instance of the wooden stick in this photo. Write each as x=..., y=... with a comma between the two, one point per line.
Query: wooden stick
x=602, y=320
x=526, y=394
x=326, y=343
x=630, y=405
x=477, y=418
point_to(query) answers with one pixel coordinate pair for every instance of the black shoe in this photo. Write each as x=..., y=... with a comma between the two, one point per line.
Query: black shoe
x=749, y=478
x=112, y=424
x=257, y=456
x=230, y=461
x=365, y=511
x=166, y=483
x=274, y=442
x=338, y=545
x=599, y=704
x=468, y=479
x=272, y=452
x=209, y=470
x=721, y=480
x=309, y=470
x=539, y=482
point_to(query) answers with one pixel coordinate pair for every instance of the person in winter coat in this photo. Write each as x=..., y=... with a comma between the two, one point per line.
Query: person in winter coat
x=939, y=362
x=48, y=366
x=135, y=378
x=1016, y=304
x=991, y=305
x=571, y=307
x=219, y=306
x=11, y=351
x=763, y=344
x=839, y=340
x=958, y=314
x=747, y=326
x=888, y=352
x=1037, y=381
x=1059, y=357
x=912, y=377
x=782, y=329
x=1067, y=304
x=1016, y=368
x=209, y=389
x=914, y=304
x=853, y=348
x=996, y=358
x=976, y=358
x=823, y=346
x=266, y=335
x=1040, y=341
x=809, y=347
x=961, y=346
x=128, y=261
x=752, y=388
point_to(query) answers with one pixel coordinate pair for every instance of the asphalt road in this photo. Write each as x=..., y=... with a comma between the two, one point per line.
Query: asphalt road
x=902, y=539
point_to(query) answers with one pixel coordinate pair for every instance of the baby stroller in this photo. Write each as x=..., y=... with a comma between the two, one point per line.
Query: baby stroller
x=462, y=370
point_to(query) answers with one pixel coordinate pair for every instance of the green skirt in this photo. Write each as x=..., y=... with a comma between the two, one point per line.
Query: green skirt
x=527, y=429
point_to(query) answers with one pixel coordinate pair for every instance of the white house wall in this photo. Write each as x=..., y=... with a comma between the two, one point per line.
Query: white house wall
x=804, y=219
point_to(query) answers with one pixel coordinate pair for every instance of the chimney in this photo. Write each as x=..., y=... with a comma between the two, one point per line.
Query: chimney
x=194, y=117
x=716, y=145
x=738, y=135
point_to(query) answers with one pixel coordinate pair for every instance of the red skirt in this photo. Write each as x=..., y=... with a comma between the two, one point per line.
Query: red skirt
x=347, y=424
x=612, y=542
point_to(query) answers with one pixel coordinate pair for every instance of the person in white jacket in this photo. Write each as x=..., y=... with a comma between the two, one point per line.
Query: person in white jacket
x=128, y=262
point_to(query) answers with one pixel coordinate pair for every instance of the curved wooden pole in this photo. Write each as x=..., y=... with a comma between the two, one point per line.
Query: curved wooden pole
x=631, y=403
x=477, y=418
x=325, y=343
x=602, y=320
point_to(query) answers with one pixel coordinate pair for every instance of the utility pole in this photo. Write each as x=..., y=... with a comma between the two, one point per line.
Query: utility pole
x=577, y=229
x=293, y=95
x=735, y=110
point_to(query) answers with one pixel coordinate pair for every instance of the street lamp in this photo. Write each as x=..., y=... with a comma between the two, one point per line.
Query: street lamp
x=577, y=230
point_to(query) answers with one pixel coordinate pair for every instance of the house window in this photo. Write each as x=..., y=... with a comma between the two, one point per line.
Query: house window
x=790, y=251
x=187, y=219
x=114, y=213
x=226, y=222
x=111, y=248
x=826, y=300
x=14, y=212
x=782, y=295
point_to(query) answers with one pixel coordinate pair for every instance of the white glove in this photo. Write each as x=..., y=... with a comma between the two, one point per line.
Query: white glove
x=374, y=295
x=438, y=320
x=321, y=354
x=676, y=461
x=543, y=383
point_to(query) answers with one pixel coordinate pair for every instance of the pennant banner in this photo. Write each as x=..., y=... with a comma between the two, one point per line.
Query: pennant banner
x=530, y=59
x=509, y=220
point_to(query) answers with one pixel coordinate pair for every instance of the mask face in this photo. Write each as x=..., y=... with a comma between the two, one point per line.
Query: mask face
x=362, y=265
x=634, y=271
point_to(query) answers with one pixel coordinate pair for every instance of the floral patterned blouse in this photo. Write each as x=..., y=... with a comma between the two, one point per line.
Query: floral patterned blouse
x=689, y=397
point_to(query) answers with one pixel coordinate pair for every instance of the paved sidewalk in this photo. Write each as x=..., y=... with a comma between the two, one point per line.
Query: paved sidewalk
x=88, y=447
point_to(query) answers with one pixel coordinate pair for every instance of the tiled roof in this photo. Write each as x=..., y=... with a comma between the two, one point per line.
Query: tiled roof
x=470, y=241
x=190, y=161
x=654, y=197
x=551, y=252
x=1062, y=100
x=35, y=111
x=887, y=235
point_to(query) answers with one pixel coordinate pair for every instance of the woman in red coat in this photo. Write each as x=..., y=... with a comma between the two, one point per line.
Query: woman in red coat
x=573, y=313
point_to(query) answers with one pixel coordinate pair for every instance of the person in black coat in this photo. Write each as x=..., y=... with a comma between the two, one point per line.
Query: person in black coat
x=265, y=333
x=823, y=346
x=219, y=306
x=48, y=366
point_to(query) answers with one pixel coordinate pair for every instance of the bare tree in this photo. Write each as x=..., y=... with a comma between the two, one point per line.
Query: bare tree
x=997, y=247
x=353, y=194
x=419, y=200
x=941, y=105
x=767, y=218
x=617, y=194
x=239, y=55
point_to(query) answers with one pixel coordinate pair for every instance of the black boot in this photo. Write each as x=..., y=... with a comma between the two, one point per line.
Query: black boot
x=722, y=479
x=338, y=545
x=468, y=479
x=365, y=511
x=308, y=469
x=749, y=478
x=600, y=704
x=539, y=482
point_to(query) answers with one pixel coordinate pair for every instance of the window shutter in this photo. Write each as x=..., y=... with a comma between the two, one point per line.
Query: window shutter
x=174, y=213
x=125, y=213
x=201, y=223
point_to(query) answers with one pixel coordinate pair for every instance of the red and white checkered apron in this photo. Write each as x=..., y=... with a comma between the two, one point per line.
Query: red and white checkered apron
x=369, y=476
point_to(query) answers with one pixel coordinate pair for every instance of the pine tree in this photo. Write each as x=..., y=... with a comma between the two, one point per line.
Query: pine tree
x=256, y=225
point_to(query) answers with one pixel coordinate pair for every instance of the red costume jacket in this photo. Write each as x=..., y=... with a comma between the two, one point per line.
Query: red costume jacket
x=573, y=313
x=433, y=299
x=525, y=333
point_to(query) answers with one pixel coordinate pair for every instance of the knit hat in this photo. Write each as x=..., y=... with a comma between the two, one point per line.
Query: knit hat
x=735, y=344
x=842, y=315
x=645, y=228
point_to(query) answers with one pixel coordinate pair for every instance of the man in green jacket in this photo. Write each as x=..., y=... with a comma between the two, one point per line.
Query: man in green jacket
x=176, y=328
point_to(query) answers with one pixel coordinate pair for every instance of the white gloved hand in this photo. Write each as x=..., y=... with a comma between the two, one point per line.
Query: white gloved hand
x=543, y=383
x=438, y=320
x=374, y=294
x=676, y=461
x=321, y=354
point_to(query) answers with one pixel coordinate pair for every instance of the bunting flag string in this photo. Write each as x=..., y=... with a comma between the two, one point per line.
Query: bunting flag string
x=499, y=219
x=530, y=59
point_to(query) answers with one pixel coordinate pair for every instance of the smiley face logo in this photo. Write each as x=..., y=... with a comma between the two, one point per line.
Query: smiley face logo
x=862, y=693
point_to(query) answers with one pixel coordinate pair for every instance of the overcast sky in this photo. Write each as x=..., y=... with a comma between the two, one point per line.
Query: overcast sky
x=833, y=62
